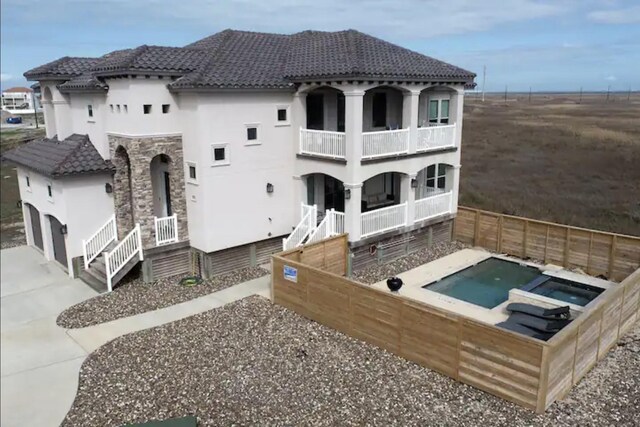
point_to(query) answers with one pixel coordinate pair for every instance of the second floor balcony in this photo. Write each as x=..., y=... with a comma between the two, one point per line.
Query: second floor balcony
x=393, y=122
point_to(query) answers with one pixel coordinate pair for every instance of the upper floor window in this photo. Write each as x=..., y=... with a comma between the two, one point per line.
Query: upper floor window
x=146, y=108
x=165, y=108
x=252, y=134
x=192, y=173
x=126, y=109
x=111, y=107
x=90, y=110
x=219, y=154
x=50, y=192
x=379, y=110
x=28, y=182
x=431, y=180
x=438, y=111
x=118, y=108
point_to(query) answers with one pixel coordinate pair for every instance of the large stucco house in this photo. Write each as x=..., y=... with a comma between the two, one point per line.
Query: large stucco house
x=216, y=154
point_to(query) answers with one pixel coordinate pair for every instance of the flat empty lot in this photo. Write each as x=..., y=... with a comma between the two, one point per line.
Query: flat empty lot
x=555, y=159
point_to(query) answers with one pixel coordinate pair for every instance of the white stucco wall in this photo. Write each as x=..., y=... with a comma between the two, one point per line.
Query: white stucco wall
x=229, y=206
x=79, y=202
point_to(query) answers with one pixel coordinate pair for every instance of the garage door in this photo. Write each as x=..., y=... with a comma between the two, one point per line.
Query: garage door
x=59, y=247
x=36, y=228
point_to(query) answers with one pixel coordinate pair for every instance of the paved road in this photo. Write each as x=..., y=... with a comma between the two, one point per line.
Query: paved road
x=41, y=361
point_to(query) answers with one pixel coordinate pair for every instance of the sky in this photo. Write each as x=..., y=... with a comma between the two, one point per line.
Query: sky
x=548, y=45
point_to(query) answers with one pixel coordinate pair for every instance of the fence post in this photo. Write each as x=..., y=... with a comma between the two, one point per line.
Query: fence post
x=115, y=226
x=139, y=235
x=84, y=253
x=107, y=267
x=155, y=229
x=175, y=227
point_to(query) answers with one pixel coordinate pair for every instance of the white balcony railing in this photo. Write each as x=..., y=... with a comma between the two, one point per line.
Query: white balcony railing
x=436, y=137
x=94, y=245
x=166, y=229
x=433, y=206
x=385, y=143
x=331, y=225
x=129, y=247
x=381, y=220
x=306, y=226
x=323, y=143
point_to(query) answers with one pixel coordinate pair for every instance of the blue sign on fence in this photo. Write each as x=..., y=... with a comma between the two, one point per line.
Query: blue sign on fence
x=291, y=273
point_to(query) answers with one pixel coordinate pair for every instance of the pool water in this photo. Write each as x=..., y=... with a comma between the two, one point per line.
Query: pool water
x=571, y=292
x=487, y=283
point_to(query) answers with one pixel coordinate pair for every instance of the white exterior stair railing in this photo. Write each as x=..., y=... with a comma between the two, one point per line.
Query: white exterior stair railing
x=331, y=225
x=166, y=229
x=306, y=226
x=433, y=206
x=381, y=220
x=323, y=143
x=129, y=247
x=385, y=143
x=94, y=245
x=436, y=137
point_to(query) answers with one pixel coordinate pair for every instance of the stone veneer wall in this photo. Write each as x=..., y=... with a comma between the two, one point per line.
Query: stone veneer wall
x=139, y=207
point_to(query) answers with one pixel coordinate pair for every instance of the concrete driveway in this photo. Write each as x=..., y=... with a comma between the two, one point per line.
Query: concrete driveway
x=38, y=358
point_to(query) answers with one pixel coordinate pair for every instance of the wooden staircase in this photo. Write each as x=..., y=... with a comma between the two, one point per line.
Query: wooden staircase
x=96, y=275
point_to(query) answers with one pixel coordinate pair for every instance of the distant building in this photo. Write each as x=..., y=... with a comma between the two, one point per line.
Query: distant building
x=20, y=100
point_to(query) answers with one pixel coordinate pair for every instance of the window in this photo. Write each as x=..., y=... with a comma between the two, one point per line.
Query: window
x=50, y=191
x=90, y=110
x=146, y=108
x=438, y=111
x=282, y=115
x=219, y=155
x=165, y=108
x=252, y=134
x=192, y=173
x=126, y=109
x=118, y=108
x=28, y=182
x=431, y=181
x=111, y=107
x=436, y=176
x=379, y=110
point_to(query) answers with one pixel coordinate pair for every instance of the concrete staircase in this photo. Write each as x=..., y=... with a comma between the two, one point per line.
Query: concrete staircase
x=96, y=275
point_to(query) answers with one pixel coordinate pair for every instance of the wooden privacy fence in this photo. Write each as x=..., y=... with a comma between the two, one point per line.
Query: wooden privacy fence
x=614, y=256
x=310, y=281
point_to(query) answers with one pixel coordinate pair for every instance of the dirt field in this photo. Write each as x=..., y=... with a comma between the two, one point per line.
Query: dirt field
x=554, y=159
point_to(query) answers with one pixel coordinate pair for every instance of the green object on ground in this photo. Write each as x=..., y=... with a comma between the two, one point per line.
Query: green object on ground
x=173, y=422
x=190, y=281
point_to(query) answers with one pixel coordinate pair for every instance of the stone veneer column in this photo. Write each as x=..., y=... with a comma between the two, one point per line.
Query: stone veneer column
x=141, y=150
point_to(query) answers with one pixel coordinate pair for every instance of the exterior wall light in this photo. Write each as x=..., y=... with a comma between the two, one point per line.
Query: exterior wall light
x=269, y=188
x=347, y=193
x=108, y=188
x=414, y=183
x=63, y=229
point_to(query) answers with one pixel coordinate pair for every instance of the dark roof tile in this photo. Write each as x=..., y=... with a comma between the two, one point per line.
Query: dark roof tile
x=74, y=155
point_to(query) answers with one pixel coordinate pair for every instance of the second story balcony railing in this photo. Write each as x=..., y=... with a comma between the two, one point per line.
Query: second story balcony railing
x=436, y=137
x=385, y=143
x=323, y=143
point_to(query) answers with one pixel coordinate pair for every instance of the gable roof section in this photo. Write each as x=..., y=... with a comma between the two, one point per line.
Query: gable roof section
x=74, y=155
x=243, y=59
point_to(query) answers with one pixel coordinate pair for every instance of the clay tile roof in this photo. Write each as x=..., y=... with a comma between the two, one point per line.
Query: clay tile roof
x=18, y=90
x=74, y=155
x=244, y=59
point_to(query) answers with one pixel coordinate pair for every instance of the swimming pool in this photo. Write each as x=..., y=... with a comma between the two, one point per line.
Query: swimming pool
x=488, y=283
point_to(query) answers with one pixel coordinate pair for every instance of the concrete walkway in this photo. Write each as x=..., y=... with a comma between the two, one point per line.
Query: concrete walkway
x=41, y=361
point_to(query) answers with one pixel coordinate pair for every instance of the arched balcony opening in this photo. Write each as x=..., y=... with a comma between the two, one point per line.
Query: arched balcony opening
x=434, y=191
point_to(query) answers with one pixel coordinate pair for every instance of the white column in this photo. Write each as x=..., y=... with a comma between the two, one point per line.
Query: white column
x=352, y=211
x=408, y=194
x=455, y=188
x=298, y=118
x=410, y=104
x=353, y=128
x=456, y=110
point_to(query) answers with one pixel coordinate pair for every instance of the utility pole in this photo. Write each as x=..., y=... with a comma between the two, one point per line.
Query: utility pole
x=484, y=79
x=529, y=94
x=629, y=95
x=608, y=91
x=35, y=110
x=580, y=101
x=505, y=94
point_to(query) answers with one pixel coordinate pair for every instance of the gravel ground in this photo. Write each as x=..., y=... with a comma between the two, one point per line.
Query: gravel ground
x=12, y=236
x=377, y=273
x=135, y=297
x=253, y=363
